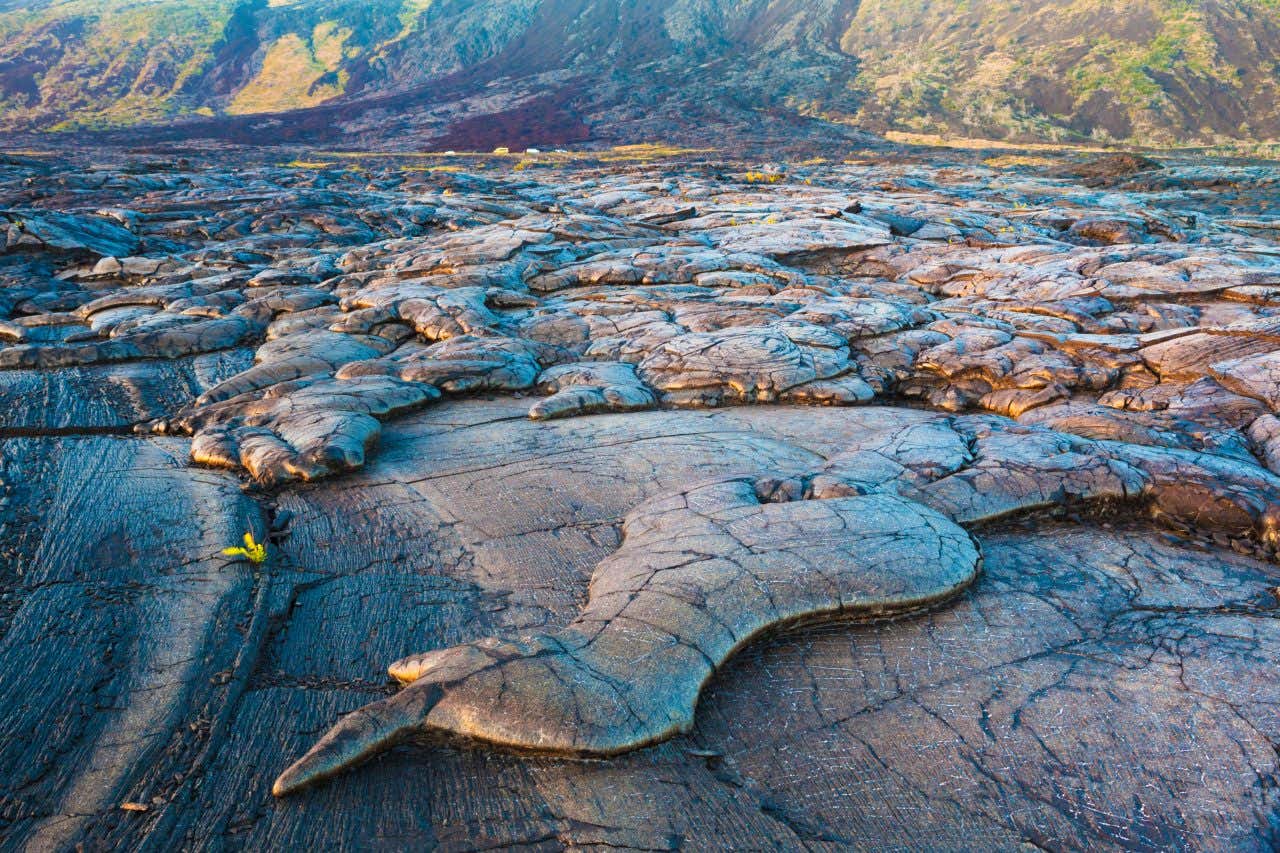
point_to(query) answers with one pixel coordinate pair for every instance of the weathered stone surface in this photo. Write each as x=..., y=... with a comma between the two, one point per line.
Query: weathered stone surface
x=583, y=388
x=800, y=292
x=448, y=515
x=744, y=365
x=124, y=587
x=1256, y=376
x=701, y=571
x=55, y=231
x=301, y=431
x=698, y=575
x=1077, y=383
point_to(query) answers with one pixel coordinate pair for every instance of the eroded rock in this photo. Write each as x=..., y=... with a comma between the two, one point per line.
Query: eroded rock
x=1051, y=352
x=698, y=575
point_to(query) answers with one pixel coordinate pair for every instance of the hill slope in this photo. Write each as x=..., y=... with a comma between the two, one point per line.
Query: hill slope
x=461, y=72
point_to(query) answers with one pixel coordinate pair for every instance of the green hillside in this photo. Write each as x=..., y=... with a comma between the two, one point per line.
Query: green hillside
x=1164, y=71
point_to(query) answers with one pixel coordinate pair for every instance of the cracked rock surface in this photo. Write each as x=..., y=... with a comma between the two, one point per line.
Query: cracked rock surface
x=890, y=505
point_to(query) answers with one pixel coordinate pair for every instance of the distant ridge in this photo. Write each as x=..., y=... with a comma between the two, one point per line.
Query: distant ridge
x=466, y=73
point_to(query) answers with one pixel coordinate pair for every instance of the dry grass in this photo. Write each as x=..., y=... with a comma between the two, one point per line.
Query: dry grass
x=644, y=151
x=1007, y=161
x=933, y=140
x=289, y=73
x=637, y=153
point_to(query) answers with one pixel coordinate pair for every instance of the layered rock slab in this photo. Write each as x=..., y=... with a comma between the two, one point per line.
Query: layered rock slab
x=703, y=570
x=961, y=286
x=1138, y=325
x=698, y=575
x=121, y=625
x=908, y=733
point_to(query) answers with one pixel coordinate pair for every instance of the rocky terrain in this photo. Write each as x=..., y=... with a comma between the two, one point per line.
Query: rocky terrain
x=893, y=503
x=462, y=74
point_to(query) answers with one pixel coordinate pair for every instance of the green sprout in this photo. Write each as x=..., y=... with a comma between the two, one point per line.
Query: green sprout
x=254, y=552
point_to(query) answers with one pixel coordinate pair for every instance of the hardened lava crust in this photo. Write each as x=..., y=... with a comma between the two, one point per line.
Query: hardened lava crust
x=915, y=500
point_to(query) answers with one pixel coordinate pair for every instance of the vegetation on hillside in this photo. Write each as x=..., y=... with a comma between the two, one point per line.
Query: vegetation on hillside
x=1152, y=71
x=1149, y=70
x=86, y=62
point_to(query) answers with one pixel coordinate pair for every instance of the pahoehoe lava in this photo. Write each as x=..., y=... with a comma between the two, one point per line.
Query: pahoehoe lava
x=698, y=575
x=702, y=572
x=575, y=437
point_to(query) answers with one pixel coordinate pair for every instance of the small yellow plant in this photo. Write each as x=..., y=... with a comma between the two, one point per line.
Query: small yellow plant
x=254, y=552
x=763, y=177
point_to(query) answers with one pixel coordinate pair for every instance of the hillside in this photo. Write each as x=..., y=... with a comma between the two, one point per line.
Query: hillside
x=1148, y=70
x=460, y=73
